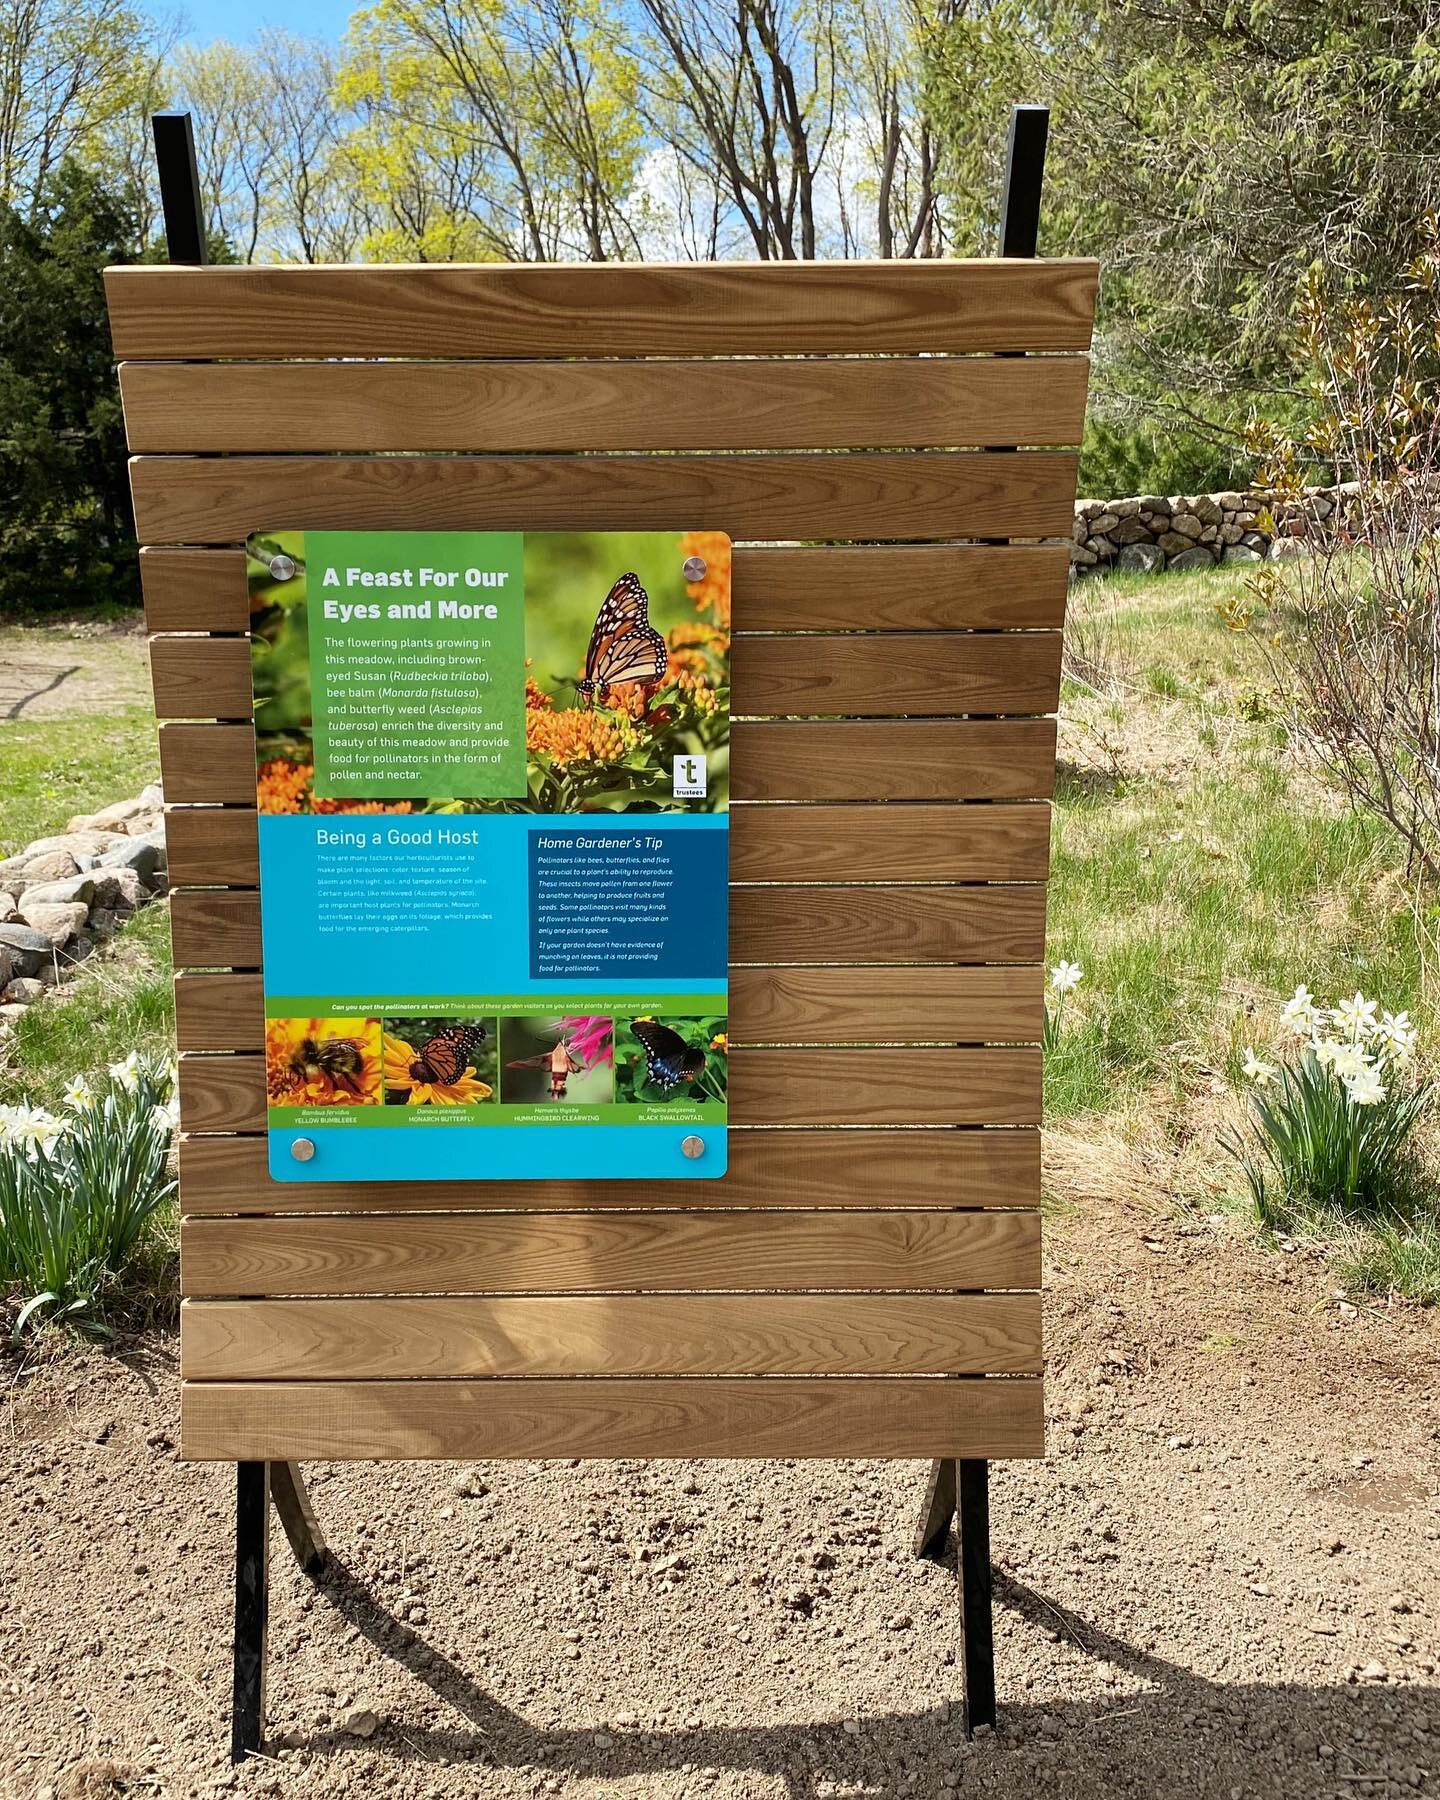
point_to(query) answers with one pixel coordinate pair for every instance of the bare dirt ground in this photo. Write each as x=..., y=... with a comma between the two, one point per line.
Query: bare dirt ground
x=50, y=670
x=1224, y=1581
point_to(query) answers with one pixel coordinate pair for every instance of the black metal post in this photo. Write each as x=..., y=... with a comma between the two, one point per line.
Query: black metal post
x=1024, y=179
x=252, y=1606
x=180, y=199
x=977, y=1632
x=292, y=1502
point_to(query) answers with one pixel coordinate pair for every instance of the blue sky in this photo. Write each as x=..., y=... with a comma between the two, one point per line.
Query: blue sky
x=237, y=21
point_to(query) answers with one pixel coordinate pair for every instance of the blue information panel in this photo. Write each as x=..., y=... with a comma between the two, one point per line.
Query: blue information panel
x=493, y=788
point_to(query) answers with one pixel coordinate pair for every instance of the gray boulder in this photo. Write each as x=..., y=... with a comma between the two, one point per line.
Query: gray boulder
x=1141, y=559
x=1242, y=553
x=22, y=990
x=1196, y=558
x=60, y=893
x=138, y=854
x=59, y=923
x=1132, y=531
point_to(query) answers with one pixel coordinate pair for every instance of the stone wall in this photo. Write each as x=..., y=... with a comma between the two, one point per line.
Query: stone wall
x=1148, y=532
x=62, y=896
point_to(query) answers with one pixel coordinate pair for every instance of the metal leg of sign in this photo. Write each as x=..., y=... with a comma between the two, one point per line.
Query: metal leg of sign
x=972, y=1564
x=252, y=1606
x=933, y=1526
x=292, y=1502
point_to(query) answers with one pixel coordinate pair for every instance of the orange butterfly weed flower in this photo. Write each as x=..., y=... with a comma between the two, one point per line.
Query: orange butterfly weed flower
x=322, y=1062
x=712, y=592
x=581, y=735
x=398, y=1059
x=284, y=786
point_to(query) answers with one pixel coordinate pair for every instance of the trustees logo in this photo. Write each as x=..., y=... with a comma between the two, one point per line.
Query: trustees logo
x=689, y=778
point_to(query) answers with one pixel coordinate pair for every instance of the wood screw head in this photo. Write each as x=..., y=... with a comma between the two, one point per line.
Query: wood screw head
x=282, y=567
x=694, y=569
x=303, y=1149
x=693, y=1146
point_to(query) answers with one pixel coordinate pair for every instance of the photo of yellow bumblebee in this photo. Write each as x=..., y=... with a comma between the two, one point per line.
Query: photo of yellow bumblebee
x=322, y=1062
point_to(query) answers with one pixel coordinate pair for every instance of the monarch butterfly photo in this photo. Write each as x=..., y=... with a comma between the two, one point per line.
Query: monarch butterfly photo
x=439, y=1061
x=624, y=645
x=659, y=1061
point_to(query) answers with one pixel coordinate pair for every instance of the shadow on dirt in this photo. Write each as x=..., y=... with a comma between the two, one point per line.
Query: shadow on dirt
x=1186, y=1735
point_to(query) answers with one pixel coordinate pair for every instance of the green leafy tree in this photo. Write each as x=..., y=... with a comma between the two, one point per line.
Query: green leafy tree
x=1211, y=152
x=65, y=530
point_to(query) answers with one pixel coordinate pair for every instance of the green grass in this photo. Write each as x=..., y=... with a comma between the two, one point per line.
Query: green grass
x=51, y=769
x=1201, y=870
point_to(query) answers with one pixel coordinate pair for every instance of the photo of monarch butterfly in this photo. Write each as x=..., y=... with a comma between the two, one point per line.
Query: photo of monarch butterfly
x=624, y=645
x=558, y=1060
x=439, y=1061
x=671, y=1060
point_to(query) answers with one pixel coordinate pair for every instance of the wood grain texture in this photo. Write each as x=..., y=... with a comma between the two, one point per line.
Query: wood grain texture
x=614, y=309
x=887, y=587
x=633, y=1334
x=871, y=759
x=219, y=928
x=982, y=672
x=219, y=846
x=595, y=1252
x=923, y=1005
x=754, y=404
x=738, y=1416
x=883, y=674
x=784, y=1169
x=892, y=495
x=927, y=1086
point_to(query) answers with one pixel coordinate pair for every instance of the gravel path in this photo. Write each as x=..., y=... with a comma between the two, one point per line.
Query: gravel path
x=1222, y=1582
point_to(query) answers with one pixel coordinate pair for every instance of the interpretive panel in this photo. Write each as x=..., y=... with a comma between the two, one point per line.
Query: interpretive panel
x=493, y=780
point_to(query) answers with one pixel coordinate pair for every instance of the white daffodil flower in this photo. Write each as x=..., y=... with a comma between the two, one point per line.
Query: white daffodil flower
x=1300, y=1013
x=1066, y=976
x=1349, y=1062
x=1366, y=1088
x=1356, y=1016
x=127, y=1074
x=79, y=1095
x=1259, y=1071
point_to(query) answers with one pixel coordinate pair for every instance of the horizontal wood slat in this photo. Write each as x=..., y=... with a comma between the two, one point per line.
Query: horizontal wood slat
x=216, y=928
x=811, y=404
x=891, y=587
x=476, y=1253
x=873, y=759
x=927, y=1086
x=579, y=1335
x=219, y=846
x=961, y=672
x=946, y=1005
x=767, y=1169
x=613, y=309
x=737, y=1416
x=890, y=495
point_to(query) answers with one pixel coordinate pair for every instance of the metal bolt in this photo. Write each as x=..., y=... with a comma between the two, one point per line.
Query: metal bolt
x=693, y=1146
x=303, y=1149
x=694, y=569
x=282, y=567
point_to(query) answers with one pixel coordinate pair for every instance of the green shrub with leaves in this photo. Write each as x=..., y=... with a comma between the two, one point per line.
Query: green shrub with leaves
x=1332, y=1120
x=80, y=1190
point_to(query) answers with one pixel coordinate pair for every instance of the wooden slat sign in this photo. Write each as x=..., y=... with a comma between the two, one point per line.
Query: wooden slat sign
x=492, y=786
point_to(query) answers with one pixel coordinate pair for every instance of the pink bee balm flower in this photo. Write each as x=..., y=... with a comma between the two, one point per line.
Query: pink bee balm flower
x=592, y=1040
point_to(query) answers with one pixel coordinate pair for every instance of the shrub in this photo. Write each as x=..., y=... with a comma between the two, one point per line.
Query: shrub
x=78, y=1190
x=1357, y=652
x=1331, y=1121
